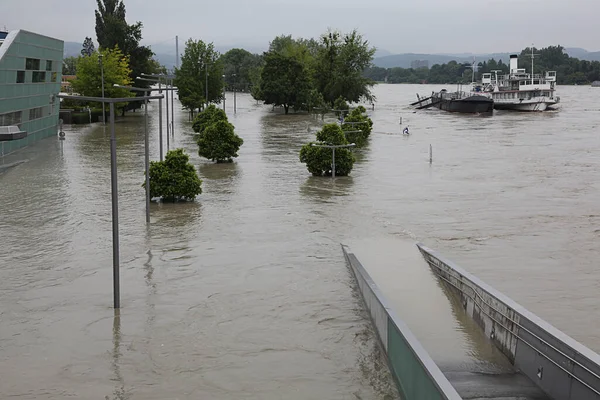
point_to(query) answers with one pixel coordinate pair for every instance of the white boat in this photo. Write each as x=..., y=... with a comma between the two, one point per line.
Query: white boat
x=519, y=90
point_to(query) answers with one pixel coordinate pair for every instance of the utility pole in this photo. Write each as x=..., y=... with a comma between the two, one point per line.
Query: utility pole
x=100, y=56
x=172, y=111
x=234, y=88
x=206, y=80
x=177, y=51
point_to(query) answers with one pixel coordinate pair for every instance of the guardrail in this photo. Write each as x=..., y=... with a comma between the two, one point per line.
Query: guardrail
x=416, y=374
x=562, y=367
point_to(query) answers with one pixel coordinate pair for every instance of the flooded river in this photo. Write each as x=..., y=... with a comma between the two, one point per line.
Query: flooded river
x=244, y=293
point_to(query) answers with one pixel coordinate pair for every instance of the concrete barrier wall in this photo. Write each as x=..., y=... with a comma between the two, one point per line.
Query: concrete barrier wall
x=559, y=365
x=417, y=376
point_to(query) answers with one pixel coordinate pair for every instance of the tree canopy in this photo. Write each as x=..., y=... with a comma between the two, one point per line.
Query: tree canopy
x=209, y=116
x=174, y=178
x=216, y=138
x=319, y=160
x=239, y=65
x=285, y=81
x=199, y=59
x=308, y=73
x=116, y=71
x=112, y=30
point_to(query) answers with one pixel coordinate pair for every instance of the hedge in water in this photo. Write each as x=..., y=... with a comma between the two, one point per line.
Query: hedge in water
x=365, y=126
x=174, y=178
x=318, y=160
x=208, y=116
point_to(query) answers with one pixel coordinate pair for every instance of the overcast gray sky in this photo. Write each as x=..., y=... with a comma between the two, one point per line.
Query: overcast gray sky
x=423, y=26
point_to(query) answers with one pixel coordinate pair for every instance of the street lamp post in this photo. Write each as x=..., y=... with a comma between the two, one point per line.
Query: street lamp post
x=206, y=81
x=100, y=57
x=157, y=79
x=224, y=83
x=146, y=144
x=113, y=176
x=172, y=110
x=234, y=90
x=333, y=147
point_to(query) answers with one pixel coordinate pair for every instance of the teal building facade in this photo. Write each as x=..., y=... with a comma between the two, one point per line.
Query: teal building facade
x=30, y=77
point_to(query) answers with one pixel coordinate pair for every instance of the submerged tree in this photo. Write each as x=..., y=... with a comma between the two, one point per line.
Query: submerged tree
x=319, y=160
x=357, y=126
x=200, y=63
x=285, y=81
x=116, y=72
x=219, y=142
x=207, y=117
x=341, y=61
x=174, y=178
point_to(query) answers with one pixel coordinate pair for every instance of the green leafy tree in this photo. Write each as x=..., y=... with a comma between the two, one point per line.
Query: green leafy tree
x=218, y=142
x=238, y=66
x=112, y=30
x=69, y=66
x=340, y=105
x=174, y=178
x=284, y=81
x=341, y=61
x=357, y=126
x=207, y=117
x=319, y=160
x=116, y=71
x=198, y=60
x=88, y=47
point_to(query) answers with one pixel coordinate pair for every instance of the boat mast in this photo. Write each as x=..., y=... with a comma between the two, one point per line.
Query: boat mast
x=532, y=57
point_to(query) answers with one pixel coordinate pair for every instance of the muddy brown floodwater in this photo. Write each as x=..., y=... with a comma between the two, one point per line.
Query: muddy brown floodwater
x=244, y=293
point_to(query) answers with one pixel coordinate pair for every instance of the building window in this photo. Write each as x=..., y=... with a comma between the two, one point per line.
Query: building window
x=38, y=77
x=54, y=76
x=48, y=65
x=32, y=64
x=20, y=76
x=13, y=118
x=36, y=113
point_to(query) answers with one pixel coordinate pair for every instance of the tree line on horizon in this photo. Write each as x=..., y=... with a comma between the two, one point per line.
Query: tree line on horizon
x=570, y=70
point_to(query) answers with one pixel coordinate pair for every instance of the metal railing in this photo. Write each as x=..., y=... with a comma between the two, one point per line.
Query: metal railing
x=540, y=351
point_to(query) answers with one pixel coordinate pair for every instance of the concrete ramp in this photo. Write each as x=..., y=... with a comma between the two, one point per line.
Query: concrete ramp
x=469, y=361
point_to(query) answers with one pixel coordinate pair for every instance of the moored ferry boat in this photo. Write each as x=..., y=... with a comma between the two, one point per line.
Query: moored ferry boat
x=519, y=90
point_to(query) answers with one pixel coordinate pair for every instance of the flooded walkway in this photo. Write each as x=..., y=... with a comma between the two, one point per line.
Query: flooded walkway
x=472, y=364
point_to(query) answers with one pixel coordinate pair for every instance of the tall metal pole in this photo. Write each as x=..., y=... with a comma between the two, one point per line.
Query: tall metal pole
x=147, y=161
x=206, y=82
x=172, y=111
x=100, y=56
x=115, y=208
x=333, y=165
x=167, y=103
x=224, y=83
x=177, y=51
x=234, y=90
x=160, y=139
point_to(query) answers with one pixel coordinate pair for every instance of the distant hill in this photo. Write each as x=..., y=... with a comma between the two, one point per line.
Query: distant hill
x=404, y=60
x=165, y=54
